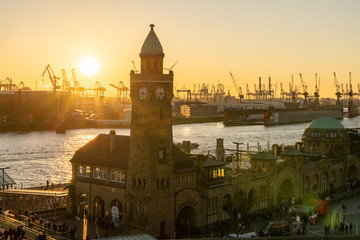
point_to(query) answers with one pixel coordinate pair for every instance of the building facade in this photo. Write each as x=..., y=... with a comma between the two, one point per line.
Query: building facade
x=144, y=183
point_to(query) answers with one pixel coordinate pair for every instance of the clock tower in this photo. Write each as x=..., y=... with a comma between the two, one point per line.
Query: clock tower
x=150, y=174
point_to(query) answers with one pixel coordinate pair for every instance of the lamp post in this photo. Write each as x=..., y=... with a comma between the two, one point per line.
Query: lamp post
x=3, y=189
x=237, y=155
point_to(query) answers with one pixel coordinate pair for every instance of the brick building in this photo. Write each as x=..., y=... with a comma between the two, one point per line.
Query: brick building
x=144, y=183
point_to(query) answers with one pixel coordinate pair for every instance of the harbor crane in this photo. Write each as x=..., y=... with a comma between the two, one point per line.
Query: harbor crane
x=248, y=93
x=169, y=69
x=337, y=87
x=100, y=90
x=293, y=92
x=204, y=90
x=65, y=84
x=350, y=93
x=238, y=89
x=188, y=93
x=305, y=93
x=78, y=89
x=52, y=76
x=317, y=87
x=135, y=69
x=122, y=91
x=7, y=86
x=282, y=93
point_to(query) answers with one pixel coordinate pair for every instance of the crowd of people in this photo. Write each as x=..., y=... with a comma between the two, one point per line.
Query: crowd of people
x=13, y=234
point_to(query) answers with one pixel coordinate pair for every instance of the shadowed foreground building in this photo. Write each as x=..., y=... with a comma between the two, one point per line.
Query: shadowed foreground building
x=146, y=184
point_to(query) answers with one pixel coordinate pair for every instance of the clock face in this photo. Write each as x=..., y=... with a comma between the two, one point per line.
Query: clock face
x=160, y=93
x=143, y=93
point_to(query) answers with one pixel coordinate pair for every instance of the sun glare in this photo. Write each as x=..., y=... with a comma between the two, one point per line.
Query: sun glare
x=89, y=66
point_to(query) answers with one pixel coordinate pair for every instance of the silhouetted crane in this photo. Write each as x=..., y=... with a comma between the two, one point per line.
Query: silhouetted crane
x=121, y=90
x=337, y=87
x=52, y=77
x=305, y=93
x=238, y=90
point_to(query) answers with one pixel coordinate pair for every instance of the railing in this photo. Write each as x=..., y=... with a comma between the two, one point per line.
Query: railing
x=30, y=233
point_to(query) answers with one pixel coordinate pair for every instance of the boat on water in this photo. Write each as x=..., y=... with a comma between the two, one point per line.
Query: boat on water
x=276, y=117
x=272, y=116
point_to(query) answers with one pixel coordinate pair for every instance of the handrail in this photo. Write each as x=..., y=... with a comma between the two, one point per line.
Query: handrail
x=30, y=233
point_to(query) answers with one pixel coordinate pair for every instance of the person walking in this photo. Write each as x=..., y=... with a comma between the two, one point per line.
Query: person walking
x=303, y=228
x=350, y=228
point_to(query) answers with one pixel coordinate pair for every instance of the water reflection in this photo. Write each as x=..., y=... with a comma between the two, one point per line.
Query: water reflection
x=36, y=157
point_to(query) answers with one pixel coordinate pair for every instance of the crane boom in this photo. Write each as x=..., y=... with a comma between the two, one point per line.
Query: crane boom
x=350, y=85
x=238, y=90
x=66, y=83
x=52, y=77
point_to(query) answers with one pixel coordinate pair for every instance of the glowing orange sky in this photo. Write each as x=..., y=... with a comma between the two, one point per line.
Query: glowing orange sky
x=250, y=38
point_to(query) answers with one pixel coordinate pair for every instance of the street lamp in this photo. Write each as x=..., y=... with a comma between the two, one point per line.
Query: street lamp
x=237, y=155
x=3, y=189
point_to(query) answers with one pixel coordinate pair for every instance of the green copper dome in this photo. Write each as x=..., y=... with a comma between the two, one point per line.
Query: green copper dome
x=326, y=123
x=152, y=44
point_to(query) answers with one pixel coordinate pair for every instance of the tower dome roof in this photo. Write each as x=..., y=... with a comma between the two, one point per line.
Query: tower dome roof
x=326, y=123
x=152, y=44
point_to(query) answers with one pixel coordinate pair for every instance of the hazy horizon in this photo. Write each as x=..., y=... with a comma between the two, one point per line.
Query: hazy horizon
x=250, y=38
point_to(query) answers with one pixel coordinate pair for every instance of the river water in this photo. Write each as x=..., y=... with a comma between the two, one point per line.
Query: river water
x=36, y=157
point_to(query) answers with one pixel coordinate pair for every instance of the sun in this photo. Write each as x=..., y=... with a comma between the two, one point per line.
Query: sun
x=89, y=66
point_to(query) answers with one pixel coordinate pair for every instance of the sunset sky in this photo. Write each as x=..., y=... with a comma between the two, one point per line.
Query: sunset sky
x=250, y=38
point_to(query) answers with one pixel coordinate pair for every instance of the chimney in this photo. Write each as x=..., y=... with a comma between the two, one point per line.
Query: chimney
x=112, y=140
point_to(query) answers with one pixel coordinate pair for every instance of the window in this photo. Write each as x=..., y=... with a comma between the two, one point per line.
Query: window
x=100, y=173
x=117, y=176
x=162, y=155
x=214, y=173
x=189, y=178
x=84, y=171
x=183, y=179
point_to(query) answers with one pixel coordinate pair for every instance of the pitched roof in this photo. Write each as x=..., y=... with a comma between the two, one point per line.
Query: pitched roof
x=97, y=152
x=263, y=156
x=152, y=44
x=291, y=152
x=213, y=163
x=182, y=161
